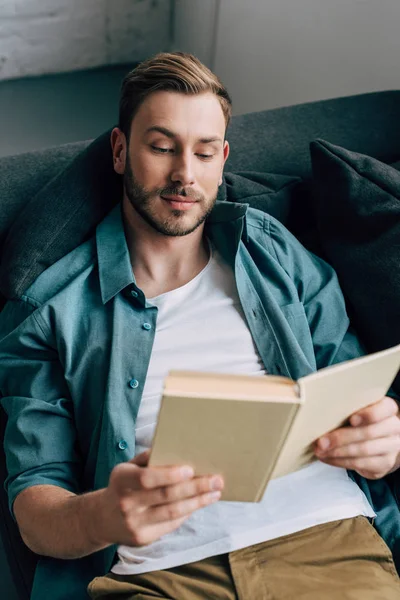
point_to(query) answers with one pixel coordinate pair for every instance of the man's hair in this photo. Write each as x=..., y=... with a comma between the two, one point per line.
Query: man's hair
x=168, y=71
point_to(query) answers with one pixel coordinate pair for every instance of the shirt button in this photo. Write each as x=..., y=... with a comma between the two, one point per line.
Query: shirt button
x=133, y=383
x=146, y=326
x=122, y=445
x=134, y=294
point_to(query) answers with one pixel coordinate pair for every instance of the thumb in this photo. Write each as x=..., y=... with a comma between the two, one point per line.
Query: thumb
x=142, y=459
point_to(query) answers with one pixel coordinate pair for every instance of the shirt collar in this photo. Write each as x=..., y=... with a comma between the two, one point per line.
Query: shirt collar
x=224, y=211
x=115, y=269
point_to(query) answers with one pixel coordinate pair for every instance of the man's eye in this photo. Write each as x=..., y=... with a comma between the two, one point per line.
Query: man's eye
x=161, y=150
x=206, y=156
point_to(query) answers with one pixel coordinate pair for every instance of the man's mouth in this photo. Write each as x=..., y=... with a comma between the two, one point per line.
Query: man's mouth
x=178, y=202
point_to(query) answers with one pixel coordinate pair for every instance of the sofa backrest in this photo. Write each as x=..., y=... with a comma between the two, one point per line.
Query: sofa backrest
x=274, y=141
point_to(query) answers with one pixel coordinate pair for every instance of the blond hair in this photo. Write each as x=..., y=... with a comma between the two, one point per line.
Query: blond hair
x=170, y=71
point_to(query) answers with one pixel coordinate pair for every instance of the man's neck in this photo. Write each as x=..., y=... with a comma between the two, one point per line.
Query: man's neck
x=159, y=262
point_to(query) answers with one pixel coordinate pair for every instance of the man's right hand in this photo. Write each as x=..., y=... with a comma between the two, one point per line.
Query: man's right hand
x=143, y=503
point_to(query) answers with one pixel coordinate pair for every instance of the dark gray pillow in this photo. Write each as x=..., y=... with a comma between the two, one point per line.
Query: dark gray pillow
x=273, y=194
x=67, y=210
x=60, y=217
x=357, y=205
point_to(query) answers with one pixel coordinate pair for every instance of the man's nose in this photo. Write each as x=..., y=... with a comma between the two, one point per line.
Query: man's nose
x=183, y=169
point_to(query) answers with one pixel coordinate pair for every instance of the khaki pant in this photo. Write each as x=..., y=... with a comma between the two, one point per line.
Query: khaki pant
x=342, y=560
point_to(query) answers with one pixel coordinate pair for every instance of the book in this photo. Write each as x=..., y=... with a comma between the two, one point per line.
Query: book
x=251, y=429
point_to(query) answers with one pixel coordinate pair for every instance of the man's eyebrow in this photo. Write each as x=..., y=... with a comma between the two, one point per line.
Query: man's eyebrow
x=162, y=130
x=209, y=140
x=170, y=134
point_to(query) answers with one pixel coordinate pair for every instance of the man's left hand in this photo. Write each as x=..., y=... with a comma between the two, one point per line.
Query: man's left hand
x=370, y=445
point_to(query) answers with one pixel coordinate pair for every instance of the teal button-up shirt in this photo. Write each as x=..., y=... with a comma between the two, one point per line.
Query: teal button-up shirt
x=75, y=350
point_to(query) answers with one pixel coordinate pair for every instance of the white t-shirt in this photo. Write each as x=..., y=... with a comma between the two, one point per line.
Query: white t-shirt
x=201, y=326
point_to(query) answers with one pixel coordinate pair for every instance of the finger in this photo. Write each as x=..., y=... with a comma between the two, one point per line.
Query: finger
x=151, y=533
x=373, y=467
x=141, y=459
x=150, y=478
x=181, y=491
x=181, y=509
x=129, y=477
x=350, y=435
x=383, y=409
x=375, y=447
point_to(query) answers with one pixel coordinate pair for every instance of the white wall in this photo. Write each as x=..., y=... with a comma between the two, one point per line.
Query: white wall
x=195, y=28
x=50, y=36
x=273, y=53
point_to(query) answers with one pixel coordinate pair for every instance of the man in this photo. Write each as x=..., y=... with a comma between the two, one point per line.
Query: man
x=174, y=279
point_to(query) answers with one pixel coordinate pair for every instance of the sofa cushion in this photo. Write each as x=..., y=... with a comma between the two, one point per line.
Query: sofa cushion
x=67, y=210
x=59, y=217
x=357, y=206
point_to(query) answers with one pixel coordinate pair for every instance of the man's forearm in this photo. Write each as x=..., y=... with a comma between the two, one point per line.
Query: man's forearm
x=139, y=506
x=55, y=522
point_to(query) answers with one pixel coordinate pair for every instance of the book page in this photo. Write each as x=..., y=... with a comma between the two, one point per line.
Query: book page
x=330, y=397
x=239, y=387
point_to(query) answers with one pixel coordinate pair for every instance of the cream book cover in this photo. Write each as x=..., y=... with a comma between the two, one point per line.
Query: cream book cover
x=252, y=429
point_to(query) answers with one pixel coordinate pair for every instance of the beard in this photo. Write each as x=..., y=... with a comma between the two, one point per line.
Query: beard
x=144, y=203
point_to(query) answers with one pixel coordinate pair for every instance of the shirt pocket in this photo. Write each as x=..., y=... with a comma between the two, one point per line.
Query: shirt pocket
x=296, y=318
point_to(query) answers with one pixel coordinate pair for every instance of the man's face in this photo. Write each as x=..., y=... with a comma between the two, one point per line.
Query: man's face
x=174, y=162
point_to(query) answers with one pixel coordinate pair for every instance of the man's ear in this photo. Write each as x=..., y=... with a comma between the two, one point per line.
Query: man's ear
x=118, y=145
x=226, y=154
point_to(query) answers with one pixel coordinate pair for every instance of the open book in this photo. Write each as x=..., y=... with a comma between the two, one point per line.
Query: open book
x=251, y=429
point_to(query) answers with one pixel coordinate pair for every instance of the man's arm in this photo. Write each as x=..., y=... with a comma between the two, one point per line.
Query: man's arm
x=40, y=437
x=140, y=503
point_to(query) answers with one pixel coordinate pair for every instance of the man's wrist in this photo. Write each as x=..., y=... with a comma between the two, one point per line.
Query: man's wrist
x=92, y=518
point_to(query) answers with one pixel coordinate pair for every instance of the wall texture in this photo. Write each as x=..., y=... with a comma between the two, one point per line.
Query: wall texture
x=273, y=53
x=289, y=51
x=50, y=36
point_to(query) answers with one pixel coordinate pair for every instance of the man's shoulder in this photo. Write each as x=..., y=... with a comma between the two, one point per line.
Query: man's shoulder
x=281, y=245
x=267, y=229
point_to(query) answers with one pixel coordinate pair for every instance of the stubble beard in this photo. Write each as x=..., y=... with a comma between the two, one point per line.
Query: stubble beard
x=142, y=201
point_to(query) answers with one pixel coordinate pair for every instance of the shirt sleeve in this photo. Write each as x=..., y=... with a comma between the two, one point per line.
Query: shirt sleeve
x=318, y=289
x=40, y=438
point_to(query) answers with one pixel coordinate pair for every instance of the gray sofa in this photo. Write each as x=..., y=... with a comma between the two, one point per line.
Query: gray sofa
x=275, y=141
